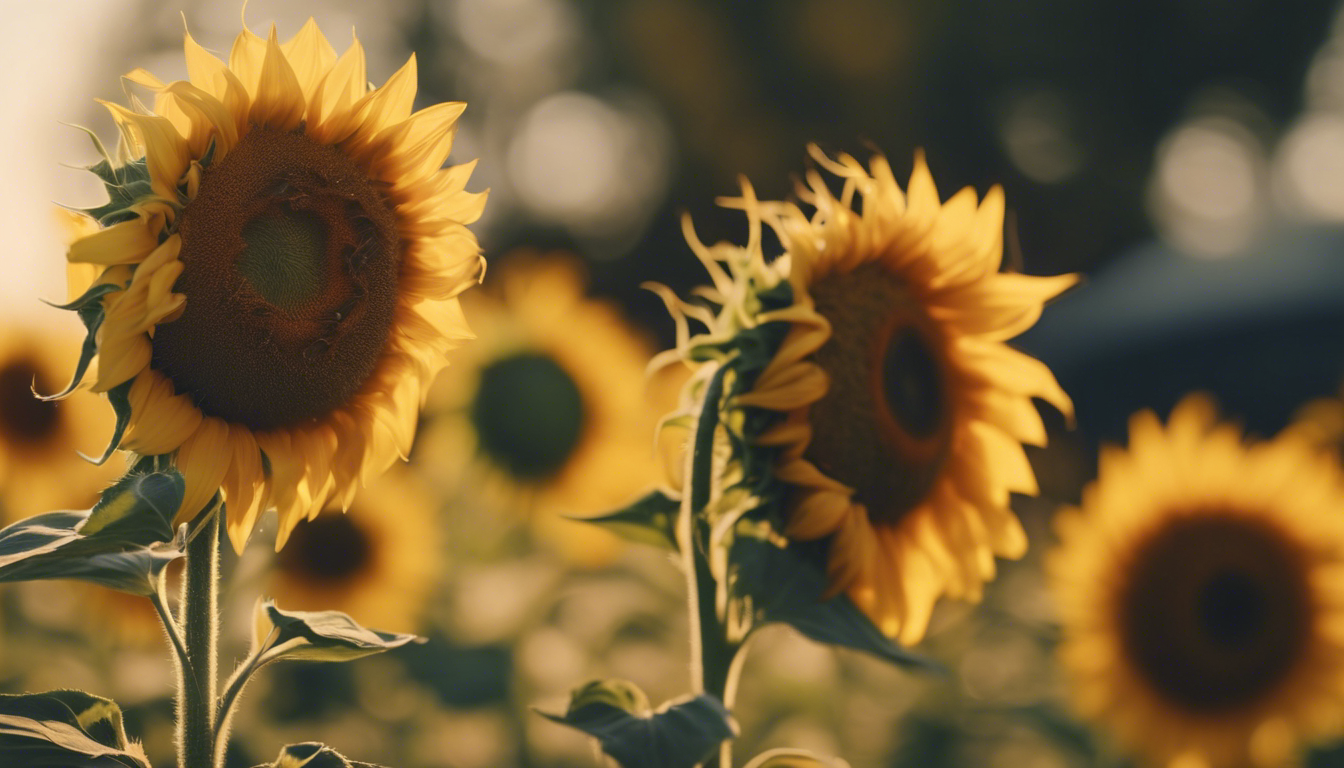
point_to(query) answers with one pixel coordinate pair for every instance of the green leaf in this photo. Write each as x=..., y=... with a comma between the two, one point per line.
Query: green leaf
x=139, y=507
x=320, y=636
x=775, y=580
x=123, y=543
x=650, y=520
x=679, y=734
x=65, y=729
x=794, y=758
x=312, y=754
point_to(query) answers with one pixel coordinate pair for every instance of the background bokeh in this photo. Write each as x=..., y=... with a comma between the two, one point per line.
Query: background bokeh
x=1187, y=156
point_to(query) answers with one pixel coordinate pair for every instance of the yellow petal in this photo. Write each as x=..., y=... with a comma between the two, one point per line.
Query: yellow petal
x=160, y=420
x=310, y=55
x=279, y=102
x=246, y=58
x=166, y=153
x=203, y=459
x=127, y=242
x=391, y=103
x=244, y=486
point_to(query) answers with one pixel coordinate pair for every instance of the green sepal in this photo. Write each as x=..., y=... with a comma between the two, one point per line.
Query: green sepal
x=771, y=579
x=312, y=754
x=125, y=184
x=123, y=543
x=794, y=758
x=120, y=398
x=65, y=729
x=650, y=520
x=319, y=636
x=89, y=308
x=680, y=734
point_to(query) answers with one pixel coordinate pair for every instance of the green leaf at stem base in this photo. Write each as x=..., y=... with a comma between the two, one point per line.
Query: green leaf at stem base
x=65, y=729
x=679, y=734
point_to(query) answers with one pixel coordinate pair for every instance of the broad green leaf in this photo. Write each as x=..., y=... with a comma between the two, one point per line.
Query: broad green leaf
x=65, y=729
x=775, y=580
x=794, y=758
x=650, y=520
x=122, y=543
x=320, y=635
x=679, y=734
x=139, y=507
x=312, y=754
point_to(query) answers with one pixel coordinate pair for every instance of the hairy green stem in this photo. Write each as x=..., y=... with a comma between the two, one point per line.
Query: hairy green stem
x=196, y=686
x=714, y=658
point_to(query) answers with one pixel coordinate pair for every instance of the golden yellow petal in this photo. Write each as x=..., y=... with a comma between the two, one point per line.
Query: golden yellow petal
x=244, y=486
x=127, y=242
x=278, y=101
x=311, y=56
x=166, y=153
x=163, y=420
x=203, y=459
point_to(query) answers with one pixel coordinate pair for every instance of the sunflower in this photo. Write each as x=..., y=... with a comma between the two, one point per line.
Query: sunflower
x=899, y=412
x=378, y=562
x=551, y=410
x=1199, y=590
x=40, y=440
x=279, y=264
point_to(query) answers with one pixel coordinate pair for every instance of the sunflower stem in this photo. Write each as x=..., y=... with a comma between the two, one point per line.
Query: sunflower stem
x=713, y=666
x=196, y=686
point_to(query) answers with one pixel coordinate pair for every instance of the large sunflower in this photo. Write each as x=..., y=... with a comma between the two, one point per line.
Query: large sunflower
x=901, y=412
x=378, y=562
x=40, y=440
x=285, y=251
x=550, y=410
x=1200, y=594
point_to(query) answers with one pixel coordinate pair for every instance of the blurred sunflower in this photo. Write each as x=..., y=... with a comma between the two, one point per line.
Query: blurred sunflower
x=900, y=411
x=279, y=264
x=1200, y=594
x=40, y=440
x=378, y=562
x=550, y=409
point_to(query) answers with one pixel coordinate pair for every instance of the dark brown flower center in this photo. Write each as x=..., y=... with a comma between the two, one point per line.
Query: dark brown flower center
x=1216, y=610
x=529, y=415
x=24, y=419
x=884, y=425
x=329, y=550
x=291, y=257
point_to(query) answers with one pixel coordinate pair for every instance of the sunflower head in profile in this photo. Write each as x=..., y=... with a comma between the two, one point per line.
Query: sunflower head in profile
x=378, y=562
x=878, y=379
x=1200, y=595
x=277, y=272
x=550, y=410
x=40, y=440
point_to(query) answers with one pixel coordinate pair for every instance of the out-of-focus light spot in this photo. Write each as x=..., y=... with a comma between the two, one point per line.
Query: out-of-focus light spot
x=1207, y=191
x=1309, y=168
x=1037, y=130
x=1325, y=78
x=599, y=168
x=516, y=32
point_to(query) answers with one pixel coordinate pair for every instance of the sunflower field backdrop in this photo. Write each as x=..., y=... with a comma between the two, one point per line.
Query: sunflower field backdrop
x=1044, y=473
